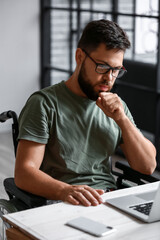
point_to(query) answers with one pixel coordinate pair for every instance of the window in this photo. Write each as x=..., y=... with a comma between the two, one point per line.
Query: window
x=63, y=21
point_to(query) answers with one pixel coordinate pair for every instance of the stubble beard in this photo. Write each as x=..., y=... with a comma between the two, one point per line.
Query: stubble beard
x=86, y=86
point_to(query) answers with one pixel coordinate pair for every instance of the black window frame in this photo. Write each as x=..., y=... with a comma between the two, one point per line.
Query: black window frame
x=46, y=9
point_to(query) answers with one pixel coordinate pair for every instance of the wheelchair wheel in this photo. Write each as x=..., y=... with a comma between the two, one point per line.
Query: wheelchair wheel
x=5, y=208
x=8, y=206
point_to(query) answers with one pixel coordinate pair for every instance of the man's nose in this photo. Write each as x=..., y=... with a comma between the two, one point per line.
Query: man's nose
x=108, y=75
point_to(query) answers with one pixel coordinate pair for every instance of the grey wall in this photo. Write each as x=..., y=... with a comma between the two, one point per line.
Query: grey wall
x=19, y=53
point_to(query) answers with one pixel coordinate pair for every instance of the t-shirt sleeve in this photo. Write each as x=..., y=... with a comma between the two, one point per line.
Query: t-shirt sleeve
x=33, y=120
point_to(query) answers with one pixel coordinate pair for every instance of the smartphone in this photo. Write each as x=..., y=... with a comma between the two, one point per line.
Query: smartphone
x=89, y=226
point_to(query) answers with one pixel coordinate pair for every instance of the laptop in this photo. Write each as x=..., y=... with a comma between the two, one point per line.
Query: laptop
x=144, y=206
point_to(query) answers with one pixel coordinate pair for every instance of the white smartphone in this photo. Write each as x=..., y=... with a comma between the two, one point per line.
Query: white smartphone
x=89, y=226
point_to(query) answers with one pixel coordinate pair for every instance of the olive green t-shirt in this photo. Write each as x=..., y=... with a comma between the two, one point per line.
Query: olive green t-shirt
x=79, y=137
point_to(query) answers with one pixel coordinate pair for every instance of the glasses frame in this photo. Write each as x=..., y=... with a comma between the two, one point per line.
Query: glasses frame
x=109, y=69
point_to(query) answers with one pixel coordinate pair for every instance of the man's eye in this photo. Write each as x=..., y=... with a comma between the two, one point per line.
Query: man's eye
x=115, y=70
x=103, y=66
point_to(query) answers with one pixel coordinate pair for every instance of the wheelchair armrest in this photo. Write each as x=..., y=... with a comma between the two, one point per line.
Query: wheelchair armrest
x=133, y=175
x=29, y=199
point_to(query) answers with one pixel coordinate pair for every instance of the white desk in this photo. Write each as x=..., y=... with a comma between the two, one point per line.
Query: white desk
x=48, y=222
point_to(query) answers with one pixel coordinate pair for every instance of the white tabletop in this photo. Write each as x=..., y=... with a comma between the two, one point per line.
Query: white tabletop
x=48, y=222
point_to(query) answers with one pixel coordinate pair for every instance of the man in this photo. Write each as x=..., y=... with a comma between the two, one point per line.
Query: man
x=68, y=131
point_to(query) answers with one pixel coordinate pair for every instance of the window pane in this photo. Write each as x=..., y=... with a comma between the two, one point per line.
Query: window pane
x=74, y=20
x=149, y=7
x=57, y=76
x=127, y=23
x=99, y=16
x=85, y=4
x=60, y=39
x=74, y=3
x=143, y=35
x=59, y=3
x=146, y=39
x=85, y=18
x=88, y=16
x=125, y=6
x=102, y=5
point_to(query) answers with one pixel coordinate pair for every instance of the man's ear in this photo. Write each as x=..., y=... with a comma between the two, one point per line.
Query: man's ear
x=80, y=56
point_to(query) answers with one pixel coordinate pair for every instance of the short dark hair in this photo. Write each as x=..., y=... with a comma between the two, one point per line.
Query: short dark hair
x=103, y=31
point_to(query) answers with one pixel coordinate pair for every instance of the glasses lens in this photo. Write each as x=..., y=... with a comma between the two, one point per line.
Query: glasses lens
x=119, y=73
x=115, y=72
x=102, y=68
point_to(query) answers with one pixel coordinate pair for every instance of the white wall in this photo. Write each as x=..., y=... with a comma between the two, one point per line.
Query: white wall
x=19, y=53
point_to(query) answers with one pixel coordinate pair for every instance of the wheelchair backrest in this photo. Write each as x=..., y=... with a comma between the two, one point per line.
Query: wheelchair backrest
x=4, y=116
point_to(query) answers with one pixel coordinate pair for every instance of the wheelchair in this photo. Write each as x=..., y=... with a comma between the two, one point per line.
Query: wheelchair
x=21, y=200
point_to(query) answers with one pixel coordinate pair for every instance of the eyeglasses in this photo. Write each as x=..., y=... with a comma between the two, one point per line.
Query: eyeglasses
x=104, y=68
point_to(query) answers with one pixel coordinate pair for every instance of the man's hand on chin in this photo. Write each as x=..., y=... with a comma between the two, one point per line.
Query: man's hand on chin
x=111, y=105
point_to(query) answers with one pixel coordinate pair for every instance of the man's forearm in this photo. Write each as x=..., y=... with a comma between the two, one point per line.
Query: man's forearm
x=39, y=183
x=140, y=152
x=29, y=177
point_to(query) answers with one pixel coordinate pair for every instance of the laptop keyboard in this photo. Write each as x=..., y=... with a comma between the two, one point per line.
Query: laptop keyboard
x=143, y=208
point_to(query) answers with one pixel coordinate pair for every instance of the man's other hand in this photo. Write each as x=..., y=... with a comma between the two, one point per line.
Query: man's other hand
x=82, y=195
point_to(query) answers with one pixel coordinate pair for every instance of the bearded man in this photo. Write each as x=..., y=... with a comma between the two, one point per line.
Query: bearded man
x=68, y=131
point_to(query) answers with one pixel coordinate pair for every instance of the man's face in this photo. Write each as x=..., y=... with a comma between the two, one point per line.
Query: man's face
x=91, y=82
